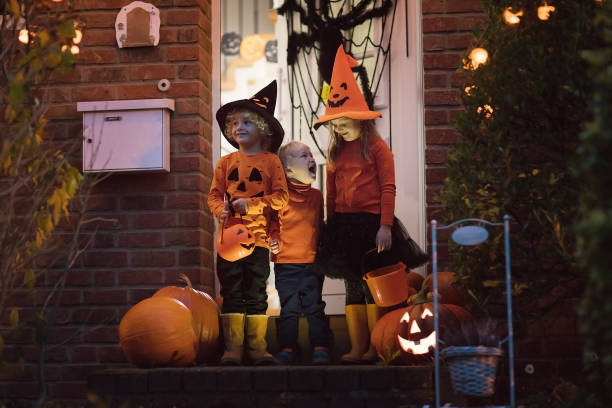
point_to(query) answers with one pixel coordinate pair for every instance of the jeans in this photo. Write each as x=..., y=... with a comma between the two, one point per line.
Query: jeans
x=299, y=291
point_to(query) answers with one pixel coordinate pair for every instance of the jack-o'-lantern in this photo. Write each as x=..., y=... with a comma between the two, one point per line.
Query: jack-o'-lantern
x=230, y=43
x=235, y=242
x=410, y=332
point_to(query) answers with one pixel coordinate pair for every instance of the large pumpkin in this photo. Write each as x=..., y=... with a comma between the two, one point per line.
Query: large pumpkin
x=409, y=331
x=205, y=316
x=158, y=332
x=414, y=280
x=449, y=292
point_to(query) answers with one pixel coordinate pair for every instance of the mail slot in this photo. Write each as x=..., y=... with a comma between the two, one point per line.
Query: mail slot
x=126, y=135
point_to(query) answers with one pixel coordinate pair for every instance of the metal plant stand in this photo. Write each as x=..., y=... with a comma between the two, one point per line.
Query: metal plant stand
x=472, y=231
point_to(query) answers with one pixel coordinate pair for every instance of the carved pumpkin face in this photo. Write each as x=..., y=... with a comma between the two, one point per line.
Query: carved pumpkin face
x=416, y=334
x=235, y=242
x=230, y=43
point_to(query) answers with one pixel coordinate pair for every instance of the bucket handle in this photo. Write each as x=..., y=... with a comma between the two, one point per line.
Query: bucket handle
x=226, y=202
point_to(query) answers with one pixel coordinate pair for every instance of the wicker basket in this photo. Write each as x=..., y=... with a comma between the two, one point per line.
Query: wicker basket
x=472, y=369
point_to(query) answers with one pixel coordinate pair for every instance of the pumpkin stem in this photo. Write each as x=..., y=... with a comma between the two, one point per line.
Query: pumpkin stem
x=422, y=296
x=185, y=279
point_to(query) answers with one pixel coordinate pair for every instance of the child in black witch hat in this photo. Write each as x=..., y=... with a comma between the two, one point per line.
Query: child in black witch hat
x=248, y=183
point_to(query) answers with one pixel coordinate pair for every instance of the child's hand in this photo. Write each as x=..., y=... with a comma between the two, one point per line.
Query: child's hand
x=274, y=248
x=383, y=238
x=225, y=213
x=240, y=205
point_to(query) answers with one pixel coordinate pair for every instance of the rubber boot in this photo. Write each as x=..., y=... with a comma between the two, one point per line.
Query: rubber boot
x=374, y=313
x=357, y=324
x=233, y=337
x=256, y=327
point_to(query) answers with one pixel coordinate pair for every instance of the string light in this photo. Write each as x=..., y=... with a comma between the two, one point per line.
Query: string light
x=75, y=49
x=512, y=18
x=478, y=56
x=468, y=89
x=78, y=36
x=487, y=109
x=24, y=36
x=544, y=11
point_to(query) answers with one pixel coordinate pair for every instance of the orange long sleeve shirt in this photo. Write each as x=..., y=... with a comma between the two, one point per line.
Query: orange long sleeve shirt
x=260, y=179
x=298, y=225
x=355, y=185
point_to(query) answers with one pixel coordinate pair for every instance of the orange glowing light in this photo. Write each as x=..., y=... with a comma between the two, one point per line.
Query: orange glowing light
x=478, y=56
x=75, y=49
x=468, y=89
x=24, y=36
x=512, y=18
x=487, y=109
x=78, y=36
x=422, y=346
x=544, y=11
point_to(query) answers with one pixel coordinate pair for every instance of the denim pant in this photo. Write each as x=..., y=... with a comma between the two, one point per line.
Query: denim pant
x=243, y=283
x=299, y=291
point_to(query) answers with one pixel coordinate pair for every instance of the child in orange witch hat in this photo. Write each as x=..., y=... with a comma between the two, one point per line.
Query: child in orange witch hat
x=360, y=206
x=250, y=183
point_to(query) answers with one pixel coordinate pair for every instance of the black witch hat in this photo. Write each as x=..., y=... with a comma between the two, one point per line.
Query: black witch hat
x=262, y=103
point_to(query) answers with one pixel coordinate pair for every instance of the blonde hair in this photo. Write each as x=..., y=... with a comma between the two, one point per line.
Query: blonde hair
x=335, y=144
x=257, y=119
x=285, y=150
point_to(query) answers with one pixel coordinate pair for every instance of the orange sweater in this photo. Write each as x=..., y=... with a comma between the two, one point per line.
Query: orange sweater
x=298, y=225
x=355, y=185
x=259, y=178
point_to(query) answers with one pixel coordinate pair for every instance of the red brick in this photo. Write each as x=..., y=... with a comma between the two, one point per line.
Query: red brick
x=98, y=55
x=104, y=278
x=187, y=35
x=190, y=257
x=62, y=111
x=435, y=174
x=105, y=74
x=92, y=315
x=435, y=80
x=141, y=276
x=189, y=71
x=185, y=106
x=59, y=77
x=96, y=4
x=111, y=354
x=140, y=240
x=439, y=24
x=468, y=23
x=189, y=219
x=432, y=6
x=191, y=163
x=83, y=354
x=436, y=117
x=457, y=80
x=186, y=201
x=148, y=71
x=450, y=97
x=102, y=335
x=99, y=203
x=94, y=93
x=440, y=136
x=435, y=156
x=99, y=37
x=167, y=35
x=142, y=202
x=185, y=89
x=459, y=41
x=441, y=61
x=192, y=182
x=142, y=54
x=136, y=295
x=152, y=258
x=55, y=335
x=58, y=95
x=105, y=297
x=98, y=19
x=105, y=258
x=156, y=220
x=434, y=42
x=182, y=16
x=462, y=6
x=183, y=53
x=184, y=238
x=139, y=91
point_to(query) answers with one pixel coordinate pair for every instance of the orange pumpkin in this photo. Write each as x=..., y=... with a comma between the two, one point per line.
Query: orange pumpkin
x=414, y=280
x=158, y=332
x=205, y=316
x=448, y=291
x=408, y=332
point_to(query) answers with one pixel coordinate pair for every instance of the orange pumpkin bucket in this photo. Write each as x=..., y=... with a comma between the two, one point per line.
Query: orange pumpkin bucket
x=388, y=284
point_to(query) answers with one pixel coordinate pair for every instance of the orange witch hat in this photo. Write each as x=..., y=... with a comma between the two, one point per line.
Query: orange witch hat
x=345, y=98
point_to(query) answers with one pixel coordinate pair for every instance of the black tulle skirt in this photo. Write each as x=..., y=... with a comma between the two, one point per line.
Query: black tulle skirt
x=345, y=248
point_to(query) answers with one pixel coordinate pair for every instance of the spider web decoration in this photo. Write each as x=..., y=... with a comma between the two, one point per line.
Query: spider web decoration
x=315, y=32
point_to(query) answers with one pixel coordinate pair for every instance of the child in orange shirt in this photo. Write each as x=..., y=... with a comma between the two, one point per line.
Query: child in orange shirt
x=293, y=246
x=249, y=183
x=360, y=206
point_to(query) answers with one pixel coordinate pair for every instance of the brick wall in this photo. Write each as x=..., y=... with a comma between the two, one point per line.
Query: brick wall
x=163, y=227
x=447, y=33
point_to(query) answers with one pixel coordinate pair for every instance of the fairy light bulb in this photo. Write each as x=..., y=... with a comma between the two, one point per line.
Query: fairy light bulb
x=78, y=36
x=512, y=18
x=24, y=36
x=75, y=49
x=544, y=11
x=478, y=56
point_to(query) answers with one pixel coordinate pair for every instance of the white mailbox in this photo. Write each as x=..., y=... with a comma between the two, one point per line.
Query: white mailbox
x=126, y=135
